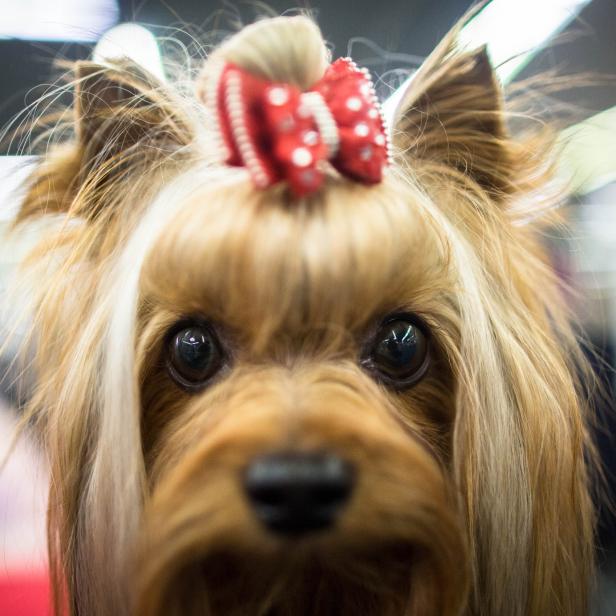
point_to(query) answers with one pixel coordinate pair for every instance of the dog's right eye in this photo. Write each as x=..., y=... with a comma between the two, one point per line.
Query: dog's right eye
x=194, y=355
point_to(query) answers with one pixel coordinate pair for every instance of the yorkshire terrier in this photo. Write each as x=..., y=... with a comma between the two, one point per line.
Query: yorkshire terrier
x=292, y=362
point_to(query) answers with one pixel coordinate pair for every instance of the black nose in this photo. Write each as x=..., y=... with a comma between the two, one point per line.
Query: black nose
x=295, y=493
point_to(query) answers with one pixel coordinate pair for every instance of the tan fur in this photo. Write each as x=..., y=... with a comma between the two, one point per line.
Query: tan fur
x=472, y=495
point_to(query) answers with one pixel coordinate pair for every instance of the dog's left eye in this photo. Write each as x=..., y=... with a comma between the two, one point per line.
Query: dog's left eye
x=398, y=352
x=194, y=355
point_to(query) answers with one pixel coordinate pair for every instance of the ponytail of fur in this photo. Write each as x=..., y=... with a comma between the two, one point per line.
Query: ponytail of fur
x=283, y=49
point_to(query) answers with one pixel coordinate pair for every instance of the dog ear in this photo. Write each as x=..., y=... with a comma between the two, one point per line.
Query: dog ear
x=125, y=120
x=451, y=116
x=120, y=106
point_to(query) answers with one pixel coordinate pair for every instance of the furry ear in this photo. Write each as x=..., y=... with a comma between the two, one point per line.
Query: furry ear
x=120, y=106
x=452, y=115
x=125, y=122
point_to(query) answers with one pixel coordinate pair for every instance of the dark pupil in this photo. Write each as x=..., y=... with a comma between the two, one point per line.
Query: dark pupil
x=400, y=348
x=194, y=352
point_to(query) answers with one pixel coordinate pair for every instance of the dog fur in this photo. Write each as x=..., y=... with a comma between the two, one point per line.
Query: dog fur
x=472, y=489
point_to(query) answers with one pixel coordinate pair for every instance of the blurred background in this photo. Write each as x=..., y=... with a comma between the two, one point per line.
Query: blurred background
x=525, y=38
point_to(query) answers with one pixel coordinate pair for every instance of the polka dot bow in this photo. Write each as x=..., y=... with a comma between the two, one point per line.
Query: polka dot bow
x=280, y=133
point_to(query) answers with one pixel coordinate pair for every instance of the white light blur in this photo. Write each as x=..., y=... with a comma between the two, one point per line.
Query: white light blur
x=514, y=31
x=132, y=41
x=588, y=156
x=57, y=20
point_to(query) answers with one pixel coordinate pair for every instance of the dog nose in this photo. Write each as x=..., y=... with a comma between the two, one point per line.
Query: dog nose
x=297, y=493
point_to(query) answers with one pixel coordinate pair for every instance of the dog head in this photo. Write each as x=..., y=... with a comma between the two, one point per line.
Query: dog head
x=357, y=402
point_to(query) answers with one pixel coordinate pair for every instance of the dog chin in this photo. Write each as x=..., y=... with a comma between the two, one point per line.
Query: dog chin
x=322, y=575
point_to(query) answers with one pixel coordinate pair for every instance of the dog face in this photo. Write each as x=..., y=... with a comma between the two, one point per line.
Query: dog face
x=361, y=402
x=300, y=319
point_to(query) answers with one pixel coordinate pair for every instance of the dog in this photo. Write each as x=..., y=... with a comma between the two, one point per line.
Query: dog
x=329, y=378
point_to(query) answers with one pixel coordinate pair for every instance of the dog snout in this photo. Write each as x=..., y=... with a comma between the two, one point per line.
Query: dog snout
x=298, y=493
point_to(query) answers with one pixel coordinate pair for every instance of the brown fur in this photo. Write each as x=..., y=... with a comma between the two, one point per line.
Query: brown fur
x=472, y=495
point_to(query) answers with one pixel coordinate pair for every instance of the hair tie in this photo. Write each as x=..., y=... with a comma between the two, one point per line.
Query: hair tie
x=280, y=133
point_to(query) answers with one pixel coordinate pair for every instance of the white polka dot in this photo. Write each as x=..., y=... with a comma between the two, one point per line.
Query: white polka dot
x=301, y=157
x=354, y=103
x=373, y=113
x=362, y=129
x=277, y=96
x=308, y=177
x=365, y=153
x=286, y=124
x=310, y=137
x=379, y=139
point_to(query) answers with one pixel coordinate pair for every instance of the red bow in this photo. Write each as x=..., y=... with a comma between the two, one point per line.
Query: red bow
x=280, y=133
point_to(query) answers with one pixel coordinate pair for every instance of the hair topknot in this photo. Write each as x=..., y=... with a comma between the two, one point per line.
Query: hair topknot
x=284, y=49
